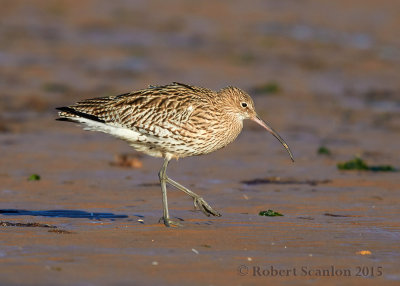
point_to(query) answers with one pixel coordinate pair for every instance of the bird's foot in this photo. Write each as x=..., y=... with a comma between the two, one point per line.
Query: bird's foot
x=201, y=204
x=169, y=222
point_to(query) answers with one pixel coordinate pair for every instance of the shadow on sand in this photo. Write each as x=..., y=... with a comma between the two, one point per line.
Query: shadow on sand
x=62, y=213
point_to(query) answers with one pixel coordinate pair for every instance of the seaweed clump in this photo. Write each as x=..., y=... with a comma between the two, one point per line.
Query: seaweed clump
x=271, y=87
x=269, y=213
x=34, y=177
x=323, y=151
x=359, y=164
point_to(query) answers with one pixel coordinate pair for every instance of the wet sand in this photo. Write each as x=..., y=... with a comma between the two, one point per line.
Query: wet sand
x=319, y=79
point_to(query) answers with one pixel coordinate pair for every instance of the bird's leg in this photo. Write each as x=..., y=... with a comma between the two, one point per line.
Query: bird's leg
x=163, y=179
x=199, y=202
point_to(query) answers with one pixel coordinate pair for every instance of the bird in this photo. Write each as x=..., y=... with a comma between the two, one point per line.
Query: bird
x=171, y=121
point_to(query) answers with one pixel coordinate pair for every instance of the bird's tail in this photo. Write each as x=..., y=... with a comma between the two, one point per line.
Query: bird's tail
x=69, y=113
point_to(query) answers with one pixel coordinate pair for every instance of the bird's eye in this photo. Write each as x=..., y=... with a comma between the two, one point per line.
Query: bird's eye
x=244, y=104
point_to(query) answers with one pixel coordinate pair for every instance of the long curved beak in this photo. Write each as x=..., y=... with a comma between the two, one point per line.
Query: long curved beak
x=273, y=132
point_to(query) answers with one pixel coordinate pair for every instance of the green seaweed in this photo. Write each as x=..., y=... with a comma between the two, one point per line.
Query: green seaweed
x=358, y=164
x=269, y=213
x=34, y=177
x=271, y=87
x=383, y=168
x=355, y=164
x=323, y=151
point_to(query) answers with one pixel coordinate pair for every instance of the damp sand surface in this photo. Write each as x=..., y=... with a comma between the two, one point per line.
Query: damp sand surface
x=91, y=216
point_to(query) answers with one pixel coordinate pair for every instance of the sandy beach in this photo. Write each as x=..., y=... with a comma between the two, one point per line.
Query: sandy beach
x=322, y=74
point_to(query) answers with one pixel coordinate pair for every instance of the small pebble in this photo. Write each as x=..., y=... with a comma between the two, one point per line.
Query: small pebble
x=364, y=252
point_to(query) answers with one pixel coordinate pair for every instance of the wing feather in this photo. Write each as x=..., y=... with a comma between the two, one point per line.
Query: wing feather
x=157, y=110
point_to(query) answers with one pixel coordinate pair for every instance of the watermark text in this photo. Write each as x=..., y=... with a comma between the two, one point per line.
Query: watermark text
x=310, y=271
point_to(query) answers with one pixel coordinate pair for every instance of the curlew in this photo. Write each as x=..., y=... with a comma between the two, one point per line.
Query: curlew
x=171, y=121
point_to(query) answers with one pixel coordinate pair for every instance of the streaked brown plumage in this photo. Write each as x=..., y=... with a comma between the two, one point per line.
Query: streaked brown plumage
x=170, y=121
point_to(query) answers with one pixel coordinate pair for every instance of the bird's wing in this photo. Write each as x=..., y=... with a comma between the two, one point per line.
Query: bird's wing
x=166, y=108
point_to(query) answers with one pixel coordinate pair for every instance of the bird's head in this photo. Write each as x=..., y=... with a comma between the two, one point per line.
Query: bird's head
x=241, y=104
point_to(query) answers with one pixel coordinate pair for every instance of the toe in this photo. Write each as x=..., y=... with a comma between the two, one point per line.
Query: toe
x=169, y=222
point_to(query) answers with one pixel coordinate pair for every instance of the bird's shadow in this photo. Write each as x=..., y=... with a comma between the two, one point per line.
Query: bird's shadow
x=63, y=213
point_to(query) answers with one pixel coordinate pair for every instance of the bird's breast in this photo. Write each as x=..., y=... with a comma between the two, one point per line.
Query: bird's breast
x=206, y=133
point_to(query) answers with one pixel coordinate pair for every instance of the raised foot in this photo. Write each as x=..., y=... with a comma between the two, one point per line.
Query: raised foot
x=169, y=222
x=201, y=204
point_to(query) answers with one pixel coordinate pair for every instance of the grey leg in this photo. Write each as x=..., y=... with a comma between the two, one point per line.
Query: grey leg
x=163, y=179
x=199, y=202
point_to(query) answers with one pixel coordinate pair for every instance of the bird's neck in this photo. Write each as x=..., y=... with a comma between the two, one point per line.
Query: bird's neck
x=233, y=126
